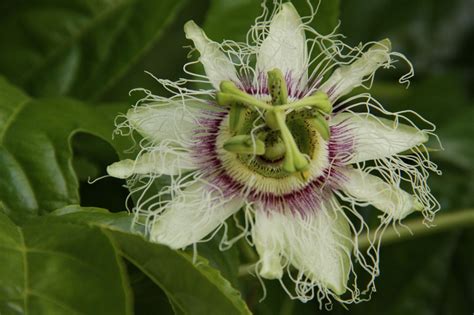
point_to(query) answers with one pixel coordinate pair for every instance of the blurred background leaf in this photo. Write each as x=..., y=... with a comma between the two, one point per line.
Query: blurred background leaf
x=78, y=48
x=434, y=34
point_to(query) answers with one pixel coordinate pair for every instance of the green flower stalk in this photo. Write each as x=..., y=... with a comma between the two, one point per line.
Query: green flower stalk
x=276, y=136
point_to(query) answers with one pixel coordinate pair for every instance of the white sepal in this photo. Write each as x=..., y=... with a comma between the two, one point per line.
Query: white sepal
x=166, y=121
x=162, y=162
x=269, y=242
x=191, y=215
x=318, y=244
x=386, y=197
x=217, y=65
x=285, y=46
x=347, y=77
x=376, y=138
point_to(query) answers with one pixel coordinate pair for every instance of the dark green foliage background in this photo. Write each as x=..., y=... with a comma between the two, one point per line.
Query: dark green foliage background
x=66, y=68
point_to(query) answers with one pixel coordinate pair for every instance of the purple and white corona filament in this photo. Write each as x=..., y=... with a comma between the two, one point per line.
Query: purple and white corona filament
x=276, y=136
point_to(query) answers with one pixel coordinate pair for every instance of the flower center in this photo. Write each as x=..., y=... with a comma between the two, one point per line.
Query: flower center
x=277, y=138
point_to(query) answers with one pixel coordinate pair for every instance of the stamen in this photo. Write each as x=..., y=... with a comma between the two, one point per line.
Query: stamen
x=321, y=125
x=270, y=120
x=231, y=94
x=245, y=144
x=318, y=100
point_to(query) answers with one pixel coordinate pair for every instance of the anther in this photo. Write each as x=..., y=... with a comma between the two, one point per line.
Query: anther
x=321, y=125
x=319, y=101
x=245, y=144
x=231, y=94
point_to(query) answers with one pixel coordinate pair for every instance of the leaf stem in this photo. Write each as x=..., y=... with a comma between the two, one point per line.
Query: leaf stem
x=412, y=227
x=415, y=227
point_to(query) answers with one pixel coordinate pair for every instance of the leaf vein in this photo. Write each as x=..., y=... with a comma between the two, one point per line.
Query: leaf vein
x=27, y=178
x=56, y=302
x=123, y=271
x=25, y=270
x=12, y=117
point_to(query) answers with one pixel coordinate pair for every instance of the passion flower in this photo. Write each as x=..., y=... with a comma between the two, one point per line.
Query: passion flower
x=277, y=136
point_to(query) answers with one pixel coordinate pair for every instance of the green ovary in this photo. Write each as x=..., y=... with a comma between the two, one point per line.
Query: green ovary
x=270, y=164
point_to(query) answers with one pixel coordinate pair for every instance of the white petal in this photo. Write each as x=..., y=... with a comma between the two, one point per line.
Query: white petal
x=285, y=45
x=376, y=138
x=217, y=65
x=318, y=245
x=323, y=246
x=163, y=162
x=191, y=215
x=158, y=122
x=345, y=78
x=384, y=196
x=269, y=242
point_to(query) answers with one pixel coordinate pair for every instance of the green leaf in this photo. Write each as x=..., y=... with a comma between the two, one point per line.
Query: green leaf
x=147, y=296
x=35, y=154
x=159, y=262
x=192, y=288
x=59, y=268
x=121, y=221
x=77, y=47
